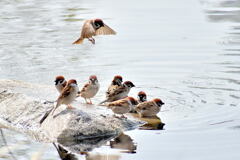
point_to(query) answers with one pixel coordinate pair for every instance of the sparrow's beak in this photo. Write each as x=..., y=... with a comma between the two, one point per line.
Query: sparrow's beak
x=55, y=82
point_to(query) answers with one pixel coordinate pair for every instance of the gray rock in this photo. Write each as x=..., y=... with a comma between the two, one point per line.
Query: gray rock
x=22, y=105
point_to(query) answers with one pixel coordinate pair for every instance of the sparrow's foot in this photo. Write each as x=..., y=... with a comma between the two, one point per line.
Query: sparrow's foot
x=90, y=102
x=123, y=117
x=70, y=107
x=86, y=101
x=92, y=40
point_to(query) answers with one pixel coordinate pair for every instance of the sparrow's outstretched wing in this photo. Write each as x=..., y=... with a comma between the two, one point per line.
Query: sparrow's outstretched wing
x=105, y=30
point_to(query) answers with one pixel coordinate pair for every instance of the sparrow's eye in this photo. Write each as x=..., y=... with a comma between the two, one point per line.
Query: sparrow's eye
x=144, y=108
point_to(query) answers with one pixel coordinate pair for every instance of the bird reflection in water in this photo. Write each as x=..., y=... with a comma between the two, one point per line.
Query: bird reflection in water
x=124, y=142
x=97, y=156
x=152, y=123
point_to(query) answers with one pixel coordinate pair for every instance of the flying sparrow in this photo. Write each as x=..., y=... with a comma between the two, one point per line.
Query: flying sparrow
x=66, y=97
x=122, y=106
x=149, y=108
x=120, y=92
x=90, y=89
x=60, y=83
x=142, y=97
x=92, y=28
x=116, y=83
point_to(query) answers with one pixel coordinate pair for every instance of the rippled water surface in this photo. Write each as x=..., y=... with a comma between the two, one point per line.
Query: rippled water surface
x=185, y=52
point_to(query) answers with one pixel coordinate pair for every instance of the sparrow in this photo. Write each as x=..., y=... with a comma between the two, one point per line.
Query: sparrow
x=92, y=28
x=60, y=83
x=116, y=83
x=142, y=97
x=119, y=93
x=149, y=108
x=122, y=106
x=90, y=89
x=66, y=97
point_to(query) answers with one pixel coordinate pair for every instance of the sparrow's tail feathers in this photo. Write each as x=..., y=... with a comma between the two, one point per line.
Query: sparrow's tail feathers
x=45, y=116
x=79, y=41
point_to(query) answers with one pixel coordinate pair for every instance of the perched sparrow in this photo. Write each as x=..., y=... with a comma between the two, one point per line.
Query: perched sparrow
x=92, y=28
x=149, y=108
x=66, y=97
x=116, y=83
x=90, y=89
x=142, y=97
x=120, y=92
x=122, y=106
x=60, y=83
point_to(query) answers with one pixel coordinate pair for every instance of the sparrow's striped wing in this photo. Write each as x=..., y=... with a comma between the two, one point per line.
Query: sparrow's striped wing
x=122, y=102
x=145, y=105
x=65, y=92
x=105, y=30
x=117, y=91
x=85, y=88
x=111, y=89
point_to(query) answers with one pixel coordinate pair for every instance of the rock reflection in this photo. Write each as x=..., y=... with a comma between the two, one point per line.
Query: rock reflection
x=124, y=142
x=71, y=150
x=63, y=153
x=152, y=123
x=85, y=145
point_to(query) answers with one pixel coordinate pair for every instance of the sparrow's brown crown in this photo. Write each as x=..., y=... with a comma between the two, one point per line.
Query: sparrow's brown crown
x=141, y=93
x=72, y=81
x=93, y=77
x=59, y=78
x=129, y=84
x=158, y=102
x=132, y=100
x=118, y=77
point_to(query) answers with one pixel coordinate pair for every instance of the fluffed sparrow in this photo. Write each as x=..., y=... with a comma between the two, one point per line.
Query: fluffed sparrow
x=120, y=92
x=122, y=106
x=149, y=108
x=66, y=97
x=90, y=89
x=92, y=28
x=60, y=83
x=116, y=83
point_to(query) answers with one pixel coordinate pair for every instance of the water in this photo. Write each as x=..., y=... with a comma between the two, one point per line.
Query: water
x=186, y=53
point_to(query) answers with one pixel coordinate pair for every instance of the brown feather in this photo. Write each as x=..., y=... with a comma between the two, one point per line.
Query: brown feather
x=79, y=41
x=106, y=30
x=65, y=92
x=85, y=87
x=121, y=102
x=117, y=91
x=87, y=30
